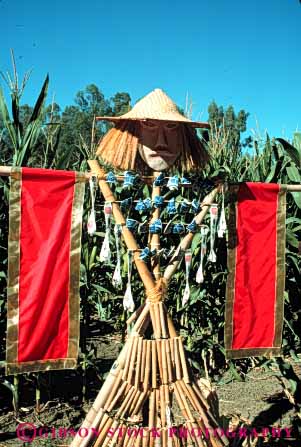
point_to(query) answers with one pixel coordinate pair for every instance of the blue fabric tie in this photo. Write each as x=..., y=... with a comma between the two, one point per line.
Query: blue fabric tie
x=159, y=181
x=111, y=178
x=184, y=207
x=156, y=227
x=195, y=206
x=158, y=202
x=192, y=227
x=131, y=224
x=178, y=228
x=129, y=180
x=146, y=253
x=126, y=203
x=173, y=183
x=171, y=207
x=185, y=181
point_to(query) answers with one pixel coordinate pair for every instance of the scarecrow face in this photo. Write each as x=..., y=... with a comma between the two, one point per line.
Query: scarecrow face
x=160, y=143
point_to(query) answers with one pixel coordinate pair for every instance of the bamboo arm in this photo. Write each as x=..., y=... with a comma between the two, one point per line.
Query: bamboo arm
x=5, y=171
x=145, y=274
x=155, y=238
x=187, y=240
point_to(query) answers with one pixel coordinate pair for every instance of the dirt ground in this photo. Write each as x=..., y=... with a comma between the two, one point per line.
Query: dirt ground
x=256, y=402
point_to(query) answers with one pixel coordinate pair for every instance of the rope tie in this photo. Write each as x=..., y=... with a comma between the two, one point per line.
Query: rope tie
x=157, y=293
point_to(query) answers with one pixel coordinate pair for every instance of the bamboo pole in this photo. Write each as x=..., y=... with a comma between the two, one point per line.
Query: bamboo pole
x=140, y=402
x=154, y=364
x=155, y=238
x=164, y=377
x=147, y=364
x=157, y=420
x=163, y=406
x=140, y=320
x=144, y=325
x=135, y=314
x=163, y=319
x=153, y=319
x=151, y=417
x=159, y=356
x=143, y=360
x=138, y=363
x=177, y=359
x=101, y=400
x=171, y=345
x=191, y=423
x=183, y=361
x=133, y=359
x=157, y=319
x=166, y=394
x=181, y=405
x=134, y=402
x=130, y=344
x=145, y=440
x=168, y=360
x=103, y=432
x=114, y=388
x=5, y=171
x=203, y=422
x=171, y=328
x=122, y=433
x=188, y=390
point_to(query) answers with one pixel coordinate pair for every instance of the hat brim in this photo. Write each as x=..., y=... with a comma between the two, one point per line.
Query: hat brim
x=195, y=124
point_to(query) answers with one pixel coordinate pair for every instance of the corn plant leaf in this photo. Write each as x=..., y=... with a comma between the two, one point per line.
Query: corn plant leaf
x=297, y=141
x=293, y=174
x=291, y=238
x=293, y=153
x=7, y=121
x=40, y=101
x=297, y=198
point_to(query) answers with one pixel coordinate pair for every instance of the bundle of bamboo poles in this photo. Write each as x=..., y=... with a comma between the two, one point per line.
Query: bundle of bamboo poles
x=149, y=398
x=153, y=399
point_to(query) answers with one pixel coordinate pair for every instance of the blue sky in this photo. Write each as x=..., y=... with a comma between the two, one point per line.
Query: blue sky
x=244, y=53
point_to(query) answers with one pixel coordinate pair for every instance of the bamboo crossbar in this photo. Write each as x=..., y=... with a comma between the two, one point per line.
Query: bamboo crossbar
x=5, y=171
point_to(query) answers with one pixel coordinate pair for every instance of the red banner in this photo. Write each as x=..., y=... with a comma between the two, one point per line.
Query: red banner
x=43, y=275
x=256, y=260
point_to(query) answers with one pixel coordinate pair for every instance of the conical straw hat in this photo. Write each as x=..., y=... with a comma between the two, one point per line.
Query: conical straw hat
x=155, y=106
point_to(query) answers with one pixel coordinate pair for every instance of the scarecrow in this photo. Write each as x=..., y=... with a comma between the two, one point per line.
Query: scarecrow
x=151, y=376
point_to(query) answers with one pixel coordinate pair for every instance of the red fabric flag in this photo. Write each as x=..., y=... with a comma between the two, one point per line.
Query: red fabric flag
x=256, y=261
x=45, y=219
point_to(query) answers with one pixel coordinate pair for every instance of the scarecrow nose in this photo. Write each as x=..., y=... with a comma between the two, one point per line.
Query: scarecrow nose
x=161, y=140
